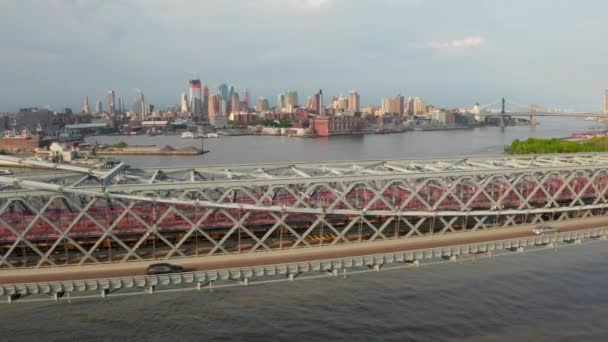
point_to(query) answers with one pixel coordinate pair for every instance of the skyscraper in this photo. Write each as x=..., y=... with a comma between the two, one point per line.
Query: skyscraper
x=386, y=105
x=419, y=106
x=222, y=90
x=353, y=101
x=235, y=103
x=280, y=102
x=139, y=105
x=230, y=91
x=121, y=105
x=606, y=102
x=214, y=105
x=196, y=104
x=183, y=99
x=247, y=99
x=261, y=104
x=229, y=99
x=409, y=106
x=319, y=106
x=287, y=101
x=206, y=102
x=397, y=105
x=110, y=101
x=99, y=107
x=85, y=105
x=223, y=107
x=340, y=104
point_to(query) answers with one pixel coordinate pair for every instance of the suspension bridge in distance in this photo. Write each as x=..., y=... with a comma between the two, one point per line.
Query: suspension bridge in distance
x=504, y=109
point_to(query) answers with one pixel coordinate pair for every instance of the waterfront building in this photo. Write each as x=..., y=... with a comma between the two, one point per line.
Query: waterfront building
x=336, y=125
x=439, y=117
x=85, y=105
x=353, y=101
x=222, y=90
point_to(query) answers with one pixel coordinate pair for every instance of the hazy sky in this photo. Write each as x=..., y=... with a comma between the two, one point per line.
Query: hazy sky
x=452, y=53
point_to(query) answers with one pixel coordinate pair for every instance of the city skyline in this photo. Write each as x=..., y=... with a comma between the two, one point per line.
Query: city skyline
x=419, y=49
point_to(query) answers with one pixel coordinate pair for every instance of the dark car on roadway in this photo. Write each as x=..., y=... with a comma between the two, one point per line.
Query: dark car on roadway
x=163, y=268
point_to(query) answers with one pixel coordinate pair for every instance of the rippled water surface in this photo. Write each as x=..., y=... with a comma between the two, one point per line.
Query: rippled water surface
x=548, y=296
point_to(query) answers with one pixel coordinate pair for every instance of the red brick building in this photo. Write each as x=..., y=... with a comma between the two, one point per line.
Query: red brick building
x=325, y=126
x=23, y=143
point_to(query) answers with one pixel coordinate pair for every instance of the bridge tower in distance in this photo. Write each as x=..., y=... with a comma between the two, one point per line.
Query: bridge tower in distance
x=533, y=109
x=502, y=114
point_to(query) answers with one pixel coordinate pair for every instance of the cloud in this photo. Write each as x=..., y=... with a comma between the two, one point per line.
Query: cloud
x=470, y=42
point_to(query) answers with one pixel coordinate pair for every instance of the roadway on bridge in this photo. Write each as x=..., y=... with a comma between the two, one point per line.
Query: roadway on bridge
x=288, y=256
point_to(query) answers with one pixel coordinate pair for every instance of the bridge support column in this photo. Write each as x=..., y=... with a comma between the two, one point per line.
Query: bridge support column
x=377, y=267
x=104, y=293
x=151, y=289
x=9, y=299
x=520, y=250
x=245, y=281
x=291, y=276
x=532, y=120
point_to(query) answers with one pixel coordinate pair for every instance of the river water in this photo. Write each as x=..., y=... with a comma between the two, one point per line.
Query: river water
x=261, y=149
x=548, y=296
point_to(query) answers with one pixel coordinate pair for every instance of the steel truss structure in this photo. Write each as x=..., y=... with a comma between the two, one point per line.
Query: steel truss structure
x=76, y=215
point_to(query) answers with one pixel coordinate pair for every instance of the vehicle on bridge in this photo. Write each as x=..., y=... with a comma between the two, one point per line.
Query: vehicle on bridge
x=545, y=229
x=163, y=268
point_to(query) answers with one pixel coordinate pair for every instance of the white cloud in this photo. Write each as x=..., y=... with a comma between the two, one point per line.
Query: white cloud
x=470, y=42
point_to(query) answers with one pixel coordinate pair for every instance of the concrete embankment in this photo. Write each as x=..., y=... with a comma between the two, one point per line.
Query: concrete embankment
x=188, y=151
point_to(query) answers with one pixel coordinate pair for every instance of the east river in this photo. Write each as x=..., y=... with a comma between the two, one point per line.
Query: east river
x=549, y=296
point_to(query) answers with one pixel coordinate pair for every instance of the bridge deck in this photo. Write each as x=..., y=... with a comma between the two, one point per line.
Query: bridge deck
x=290, y=256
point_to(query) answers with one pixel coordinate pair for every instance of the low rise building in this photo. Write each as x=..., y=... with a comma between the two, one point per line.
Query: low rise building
x=25, y=141
x=59, y=152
